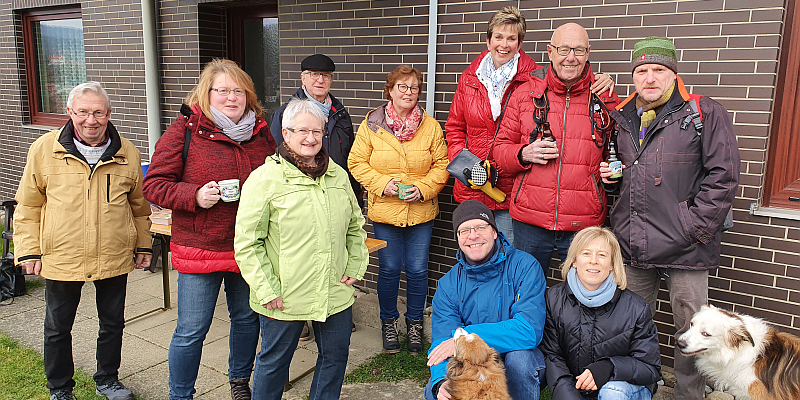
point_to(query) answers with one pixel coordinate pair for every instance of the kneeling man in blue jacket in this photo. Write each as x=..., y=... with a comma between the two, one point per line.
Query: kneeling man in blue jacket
x=496, y=292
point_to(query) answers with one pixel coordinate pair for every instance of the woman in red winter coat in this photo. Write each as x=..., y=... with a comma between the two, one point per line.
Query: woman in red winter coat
x=228, y=139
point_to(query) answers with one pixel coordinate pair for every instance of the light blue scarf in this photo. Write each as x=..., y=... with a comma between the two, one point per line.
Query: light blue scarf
x=496, y=81
x=592, y=298
x=325, y=107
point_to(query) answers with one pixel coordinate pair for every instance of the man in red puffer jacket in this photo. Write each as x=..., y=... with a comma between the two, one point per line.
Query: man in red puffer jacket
x=557, y=189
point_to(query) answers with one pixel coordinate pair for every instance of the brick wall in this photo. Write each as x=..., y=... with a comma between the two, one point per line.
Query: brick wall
x=727, y=50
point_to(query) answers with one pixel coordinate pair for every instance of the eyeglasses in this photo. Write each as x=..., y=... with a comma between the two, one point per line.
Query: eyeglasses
x=96, y=114
x=304, y=132
x=223, y=91
x=564, y=50
x=315, y=75
x=479, y=229
x=404, y=88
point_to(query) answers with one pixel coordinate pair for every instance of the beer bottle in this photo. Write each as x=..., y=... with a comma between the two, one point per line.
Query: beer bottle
x=547, y=134
x=613, y=162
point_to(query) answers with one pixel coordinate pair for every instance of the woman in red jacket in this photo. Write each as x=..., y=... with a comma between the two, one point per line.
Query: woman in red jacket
x=478, y=104
x=228, y=139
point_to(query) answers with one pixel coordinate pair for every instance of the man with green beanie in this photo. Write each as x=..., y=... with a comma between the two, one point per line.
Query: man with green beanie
x=681, y=171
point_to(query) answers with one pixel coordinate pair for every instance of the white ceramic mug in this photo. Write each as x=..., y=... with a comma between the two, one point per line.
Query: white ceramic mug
x=229, y=190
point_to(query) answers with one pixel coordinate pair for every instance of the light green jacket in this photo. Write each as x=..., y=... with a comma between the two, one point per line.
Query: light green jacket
x=296, y=237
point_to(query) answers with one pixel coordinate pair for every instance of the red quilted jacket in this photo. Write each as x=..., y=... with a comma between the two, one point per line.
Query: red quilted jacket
x=566, y=194
x=470, y=125
x=202, y=239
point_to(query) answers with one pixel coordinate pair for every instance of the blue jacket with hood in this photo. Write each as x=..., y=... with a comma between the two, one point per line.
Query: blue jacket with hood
x=502, y=301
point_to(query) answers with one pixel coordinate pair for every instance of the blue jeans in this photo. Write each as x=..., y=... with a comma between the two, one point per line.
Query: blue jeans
x=621, y=390
x=278, y=343
x=539, y=243
x=197, y=298
x=504, y=224
x=524, y=373
x=406, y=248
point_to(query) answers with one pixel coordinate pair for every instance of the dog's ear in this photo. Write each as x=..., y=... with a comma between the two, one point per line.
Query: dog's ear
x=477, y=351
x=738, y=335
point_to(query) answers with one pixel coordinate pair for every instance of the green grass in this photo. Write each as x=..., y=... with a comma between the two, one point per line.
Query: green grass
x=22, y=375
x=393, y=367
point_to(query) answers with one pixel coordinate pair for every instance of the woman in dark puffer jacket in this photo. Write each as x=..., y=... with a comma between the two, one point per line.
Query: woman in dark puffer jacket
x=600, y=341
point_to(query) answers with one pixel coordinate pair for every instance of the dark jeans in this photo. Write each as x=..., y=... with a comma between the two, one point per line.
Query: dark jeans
x=540, y=242
x=61, y=305
x=278, y=343
x=406, y=249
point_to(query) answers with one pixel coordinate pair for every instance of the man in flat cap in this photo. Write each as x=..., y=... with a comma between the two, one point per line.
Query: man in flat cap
x=681, y=171
x=317, y=76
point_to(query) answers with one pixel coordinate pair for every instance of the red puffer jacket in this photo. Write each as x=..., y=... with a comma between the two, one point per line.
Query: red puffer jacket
x=202, y=239
x=470, y=125
x=566, y=194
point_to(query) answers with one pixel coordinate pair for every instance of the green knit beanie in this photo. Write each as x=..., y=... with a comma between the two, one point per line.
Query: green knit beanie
x=654, y=50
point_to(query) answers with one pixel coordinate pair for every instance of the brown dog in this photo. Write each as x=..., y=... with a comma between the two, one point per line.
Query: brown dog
x=475, y=372
x=744, y=355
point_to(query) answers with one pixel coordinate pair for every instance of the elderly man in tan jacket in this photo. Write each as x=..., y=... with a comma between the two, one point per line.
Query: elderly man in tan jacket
x=81, y=217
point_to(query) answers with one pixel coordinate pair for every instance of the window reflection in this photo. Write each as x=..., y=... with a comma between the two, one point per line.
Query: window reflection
x=60, y=61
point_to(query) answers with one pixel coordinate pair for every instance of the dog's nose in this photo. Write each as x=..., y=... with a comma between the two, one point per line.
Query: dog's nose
x=681, y=343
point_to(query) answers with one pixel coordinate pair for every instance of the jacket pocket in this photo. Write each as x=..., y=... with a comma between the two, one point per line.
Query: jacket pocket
x=599, y=191
x=686, y=222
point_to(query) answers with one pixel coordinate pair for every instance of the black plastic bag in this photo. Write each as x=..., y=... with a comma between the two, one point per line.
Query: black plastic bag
x=12, y=281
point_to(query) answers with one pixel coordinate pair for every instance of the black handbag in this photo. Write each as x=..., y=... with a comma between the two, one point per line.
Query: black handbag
x=463, y=161
x=12, y=281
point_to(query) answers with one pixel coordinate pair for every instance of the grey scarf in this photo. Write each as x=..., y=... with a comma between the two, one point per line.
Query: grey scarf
x=237, y=132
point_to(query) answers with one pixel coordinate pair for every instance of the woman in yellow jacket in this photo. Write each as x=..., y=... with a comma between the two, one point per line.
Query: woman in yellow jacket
x=400, y=157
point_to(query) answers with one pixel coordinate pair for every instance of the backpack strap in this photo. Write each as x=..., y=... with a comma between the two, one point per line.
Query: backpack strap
x=186, y=111
x=696, y=117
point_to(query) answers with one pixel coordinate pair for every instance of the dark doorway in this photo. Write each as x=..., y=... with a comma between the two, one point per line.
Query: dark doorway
x=253, y=44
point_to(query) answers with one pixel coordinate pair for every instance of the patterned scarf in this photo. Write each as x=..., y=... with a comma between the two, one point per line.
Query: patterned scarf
x=325, y=106
x=496, y=81
x=404, y=130
x=237, y=132
x=314, y=172
x=647, y=111
x=592, y=298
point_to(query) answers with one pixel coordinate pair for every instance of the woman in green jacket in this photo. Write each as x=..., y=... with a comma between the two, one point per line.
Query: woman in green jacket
x=300, y=246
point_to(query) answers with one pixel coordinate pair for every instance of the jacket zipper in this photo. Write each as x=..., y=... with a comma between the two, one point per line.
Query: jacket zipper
x=560, y=158
x=108, y=188
x=597, y=189
x=521, y=182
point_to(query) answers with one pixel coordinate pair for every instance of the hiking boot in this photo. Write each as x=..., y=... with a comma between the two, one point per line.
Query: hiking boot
x=306, y=334
x=414, y=336
x=240, y=389
x=114, y=390
x=63, y=394
x=389, y=333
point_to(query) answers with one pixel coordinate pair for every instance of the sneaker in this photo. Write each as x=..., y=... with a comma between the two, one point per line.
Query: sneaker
x=389, y=333
x=414, y=336
x=114, y=390
x=240, y=389
x=354, y=326
x=306, y=334
x=63, y=394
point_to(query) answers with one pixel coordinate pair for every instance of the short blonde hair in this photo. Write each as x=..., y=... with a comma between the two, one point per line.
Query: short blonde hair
x=199, y=95
x=509, y=15
x=586, y=236
x=402, y=71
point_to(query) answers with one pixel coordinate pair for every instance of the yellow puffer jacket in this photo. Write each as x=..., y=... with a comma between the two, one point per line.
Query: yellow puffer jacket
x=378, y=156
x=84, y=225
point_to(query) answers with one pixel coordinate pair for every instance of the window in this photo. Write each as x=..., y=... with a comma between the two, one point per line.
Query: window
x=782, y=183
x=54, y=62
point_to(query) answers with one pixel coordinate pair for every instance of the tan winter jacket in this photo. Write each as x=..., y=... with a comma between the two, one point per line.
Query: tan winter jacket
x=83, y=224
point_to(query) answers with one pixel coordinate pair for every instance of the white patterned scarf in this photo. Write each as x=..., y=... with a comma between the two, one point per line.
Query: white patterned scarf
x=496, y=81
x=237, y=132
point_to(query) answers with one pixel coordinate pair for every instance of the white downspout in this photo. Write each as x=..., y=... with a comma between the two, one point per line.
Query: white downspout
x=433, y=27
x=149, y=35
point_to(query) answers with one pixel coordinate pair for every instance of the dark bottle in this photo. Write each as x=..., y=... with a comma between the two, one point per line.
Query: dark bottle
x=547, y=134
x=613, y=162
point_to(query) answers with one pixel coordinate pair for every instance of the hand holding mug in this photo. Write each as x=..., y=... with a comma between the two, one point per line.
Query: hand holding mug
x=207, y=195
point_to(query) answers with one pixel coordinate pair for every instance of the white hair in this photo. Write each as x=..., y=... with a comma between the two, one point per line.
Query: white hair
x=93, y=86
x=300, y=106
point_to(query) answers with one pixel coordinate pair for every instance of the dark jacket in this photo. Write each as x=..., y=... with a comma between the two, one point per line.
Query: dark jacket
x=202, y=239
x=617, y=341
x=470, y=125
x=565, y=194
x=338, y=139
x=677, y=187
